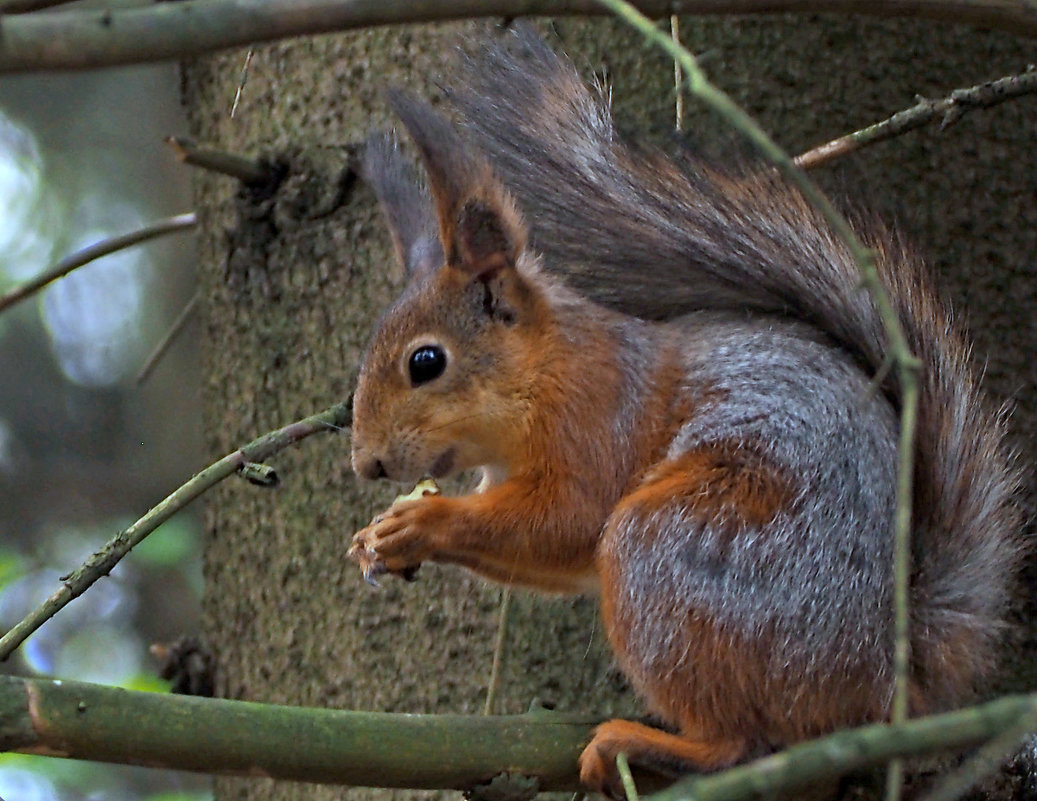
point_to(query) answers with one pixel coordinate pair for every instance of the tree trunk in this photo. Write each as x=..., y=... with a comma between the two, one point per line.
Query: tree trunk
x=293, y=283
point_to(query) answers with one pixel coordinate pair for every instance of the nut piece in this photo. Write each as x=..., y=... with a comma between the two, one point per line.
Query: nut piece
x=422, y=489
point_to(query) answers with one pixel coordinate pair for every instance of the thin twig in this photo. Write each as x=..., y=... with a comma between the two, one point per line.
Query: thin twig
x=949, y=110
x=498, y=649
x=678, y=76
x=720, y=102
x=93, y=252
x=101, y=563
x=907, y=364
x=241, y=82
x=894, y=778
x=163, y=346
x=245, y=170
x=262, y=475
x=623, y=767
x=87, y=39
x=902, y=567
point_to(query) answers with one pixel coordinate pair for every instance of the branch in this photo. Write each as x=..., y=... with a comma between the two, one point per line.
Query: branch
x=373, y=749
x=22, y=6
x=986, y=759
x=101, y=563
x=378, y=749
x=950, y=108
x=93, y=252
x=245, y=170
x=498, y=650
x=174, y=331
x=85, y=39
x=807, y=764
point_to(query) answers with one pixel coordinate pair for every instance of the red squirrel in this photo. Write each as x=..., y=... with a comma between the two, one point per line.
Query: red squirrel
x=670, y=378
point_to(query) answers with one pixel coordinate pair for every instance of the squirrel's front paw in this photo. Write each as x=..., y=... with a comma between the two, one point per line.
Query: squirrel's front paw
x=398, y=540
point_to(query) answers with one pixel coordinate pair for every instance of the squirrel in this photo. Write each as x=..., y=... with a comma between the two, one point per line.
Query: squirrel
x=674, y=387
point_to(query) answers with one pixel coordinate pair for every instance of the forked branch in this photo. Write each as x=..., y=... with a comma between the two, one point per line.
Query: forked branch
x=948, y=110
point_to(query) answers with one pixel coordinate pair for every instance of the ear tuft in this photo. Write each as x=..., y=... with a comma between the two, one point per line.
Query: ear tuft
x=479, y=227
x=443, y=153
x=407, y=207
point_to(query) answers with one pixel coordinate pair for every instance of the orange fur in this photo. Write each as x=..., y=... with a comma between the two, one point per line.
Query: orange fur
x=731, y=483
x=649, y=748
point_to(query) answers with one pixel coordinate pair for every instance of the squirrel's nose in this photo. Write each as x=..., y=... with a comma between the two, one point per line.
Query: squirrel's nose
x=372, y=468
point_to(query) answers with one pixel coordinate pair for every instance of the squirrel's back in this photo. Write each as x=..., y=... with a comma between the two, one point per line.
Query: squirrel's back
x=636, y=231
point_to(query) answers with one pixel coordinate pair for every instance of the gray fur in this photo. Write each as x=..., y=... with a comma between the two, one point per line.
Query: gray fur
x=406, y=206
x=824, y=561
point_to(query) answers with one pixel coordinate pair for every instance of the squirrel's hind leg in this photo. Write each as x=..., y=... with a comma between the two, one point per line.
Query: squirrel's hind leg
x=671, y=581
x=645, y=747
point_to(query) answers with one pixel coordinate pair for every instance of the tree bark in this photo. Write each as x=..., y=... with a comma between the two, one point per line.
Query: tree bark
x=292, y=282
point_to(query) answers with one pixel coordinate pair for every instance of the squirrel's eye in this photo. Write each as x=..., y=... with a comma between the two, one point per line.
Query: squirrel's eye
x=426, y=363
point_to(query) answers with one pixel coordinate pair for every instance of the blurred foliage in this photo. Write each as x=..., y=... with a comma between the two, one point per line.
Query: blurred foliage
x=102, y=637
x=11, y=566
x=32, y=778
x=168, y=545
x=83, y=450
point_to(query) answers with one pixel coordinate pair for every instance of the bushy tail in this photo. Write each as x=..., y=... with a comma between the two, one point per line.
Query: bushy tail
x=637, y=231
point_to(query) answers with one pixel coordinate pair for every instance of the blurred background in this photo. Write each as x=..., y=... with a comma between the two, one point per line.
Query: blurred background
x=84, y=448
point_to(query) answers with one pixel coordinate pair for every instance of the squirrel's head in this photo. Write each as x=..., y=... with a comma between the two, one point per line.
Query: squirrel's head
x=444, y=385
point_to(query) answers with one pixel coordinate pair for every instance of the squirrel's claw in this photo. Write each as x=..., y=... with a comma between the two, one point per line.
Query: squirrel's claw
x=371, y=567
x=393, y=543
x=598, y=772
x=373, y=571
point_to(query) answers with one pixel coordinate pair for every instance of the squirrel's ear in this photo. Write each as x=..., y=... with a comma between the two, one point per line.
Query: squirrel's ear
x=406, y=205
x=480, y=229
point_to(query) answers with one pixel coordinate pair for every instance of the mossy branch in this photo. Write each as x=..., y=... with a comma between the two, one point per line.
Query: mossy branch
x=986, y=759
x=86, y=39
x=216, y=736
x=101, y=563
x=375, y=749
